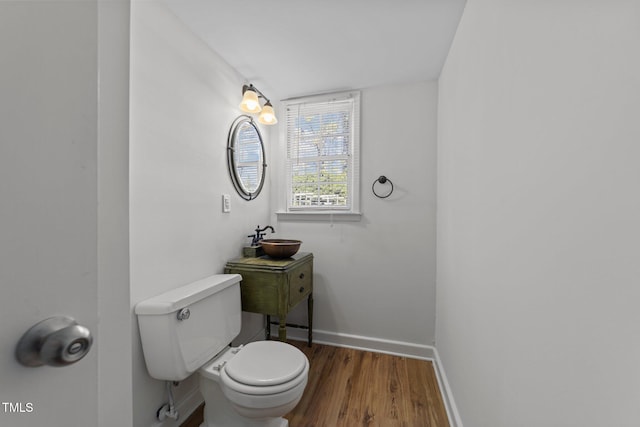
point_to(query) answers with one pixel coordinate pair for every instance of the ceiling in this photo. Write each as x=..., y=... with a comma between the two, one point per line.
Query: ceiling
x=290, y=48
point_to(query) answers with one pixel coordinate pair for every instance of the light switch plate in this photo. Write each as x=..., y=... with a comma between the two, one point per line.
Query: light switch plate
x=226, y=203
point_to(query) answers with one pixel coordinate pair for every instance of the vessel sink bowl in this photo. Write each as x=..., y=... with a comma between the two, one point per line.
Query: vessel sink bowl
x=280, y=248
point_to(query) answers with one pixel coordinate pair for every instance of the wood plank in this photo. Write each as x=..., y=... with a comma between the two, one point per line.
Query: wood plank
x=349, y=387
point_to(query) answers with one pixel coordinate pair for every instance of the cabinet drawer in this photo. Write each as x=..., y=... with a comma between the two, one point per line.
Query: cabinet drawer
x=300, y=283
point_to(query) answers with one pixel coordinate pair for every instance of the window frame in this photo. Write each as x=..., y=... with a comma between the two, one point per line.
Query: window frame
x=351, y=212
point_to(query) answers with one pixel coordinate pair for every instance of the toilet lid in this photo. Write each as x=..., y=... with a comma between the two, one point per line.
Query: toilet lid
x=266, y=363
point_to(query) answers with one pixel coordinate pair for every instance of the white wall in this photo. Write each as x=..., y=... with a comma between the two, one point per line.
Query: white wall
x=184, y=98
x=375, y=279
x=538, y=207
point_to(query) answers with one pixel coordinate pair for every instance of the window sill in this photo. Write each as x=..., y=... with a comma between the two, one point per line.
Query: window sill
x=319, y=216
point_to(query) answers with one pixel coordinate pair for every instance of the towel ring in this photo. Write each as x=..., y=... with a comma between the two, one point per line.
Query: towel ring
x=382, y=180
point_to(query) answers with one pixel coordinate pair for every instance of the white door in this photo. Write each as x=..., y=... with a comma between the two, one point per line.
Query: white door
x=48, y=203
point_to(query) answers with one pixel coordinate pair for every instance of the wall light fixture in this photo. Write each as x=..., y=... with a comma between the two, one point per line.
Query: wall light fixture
x=251, y=104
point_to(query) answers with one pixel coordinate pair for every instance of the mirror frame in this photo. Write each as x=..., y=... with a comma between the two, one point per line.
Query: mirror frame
x=237, y=124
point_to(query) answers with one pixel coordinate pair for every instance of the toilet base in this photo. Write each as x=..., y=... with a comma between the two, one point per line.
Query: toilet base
x=218, y=412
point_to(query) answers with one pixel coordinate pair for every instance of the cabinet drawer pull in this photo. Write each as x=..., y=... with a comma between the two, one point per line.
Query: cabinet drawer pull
x=301, y=275
x=301, y=289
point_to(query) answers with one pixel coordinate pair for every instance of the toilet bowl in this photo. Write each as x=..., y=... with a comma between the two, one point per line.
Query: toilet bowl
x=188, y=329
x=261, y=382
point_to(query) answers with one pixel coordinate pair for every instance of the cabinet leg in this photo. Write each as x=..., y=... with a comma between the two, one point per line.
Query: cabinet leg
x=310, y=317
x=268, y=330
x=282, y=329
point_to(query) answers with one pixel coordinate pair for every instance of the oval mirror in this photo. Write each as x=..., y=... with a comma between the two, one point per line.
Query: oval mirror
x=245, y=157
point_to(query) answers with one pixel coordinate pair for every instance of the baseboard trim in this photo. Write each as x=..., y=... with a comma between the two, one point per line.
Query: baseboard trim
x=396, y=348
x=378, y=345
x=445, y=389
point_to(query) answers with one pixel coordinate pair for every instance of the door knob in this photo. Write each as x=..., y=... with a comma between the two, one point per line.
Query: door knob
x=57, y=341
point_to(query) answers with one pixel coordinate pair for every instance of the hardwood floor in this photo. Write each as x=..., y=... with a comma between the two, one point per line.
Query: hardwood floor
x=356, y=388
x=349, y=388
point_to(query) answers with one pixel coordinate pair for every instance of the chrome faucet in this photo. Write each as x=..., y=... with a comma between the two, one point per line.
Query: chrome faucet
x=259, y=234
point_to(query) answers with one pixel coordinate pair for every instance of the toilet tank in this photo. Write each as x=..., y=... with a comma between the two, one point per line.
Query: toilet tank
x=185, y=327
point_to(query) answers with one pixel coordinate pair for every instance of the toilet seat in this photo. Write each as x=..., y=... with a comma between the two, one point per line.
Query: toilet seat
x=264, y=368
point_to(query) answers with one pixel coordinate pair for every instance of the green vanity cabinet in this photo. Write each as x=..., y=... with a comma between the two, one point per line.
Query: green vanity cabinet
x=274, y=286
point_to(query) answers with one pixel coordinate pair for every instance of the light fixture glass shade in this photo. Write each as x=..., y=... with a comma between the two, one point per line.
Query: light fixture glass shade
x=268, y=116
x=250, y=102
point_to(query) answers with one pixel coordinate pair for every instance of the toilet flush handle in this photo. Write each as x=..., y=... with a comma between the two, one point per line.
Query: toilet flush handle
x=57, y=341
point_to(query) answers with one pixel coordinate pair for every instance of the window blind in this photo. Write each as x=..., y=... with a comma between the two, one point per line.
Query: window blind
x=322, y=153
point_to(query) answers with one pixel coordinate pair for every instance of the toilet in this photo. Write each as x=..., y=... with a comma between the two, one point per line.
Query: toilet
x=188, y=330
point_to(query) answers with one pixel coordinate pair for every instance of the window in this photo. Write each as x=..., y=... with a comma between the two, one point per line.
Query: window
x=322, y=140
